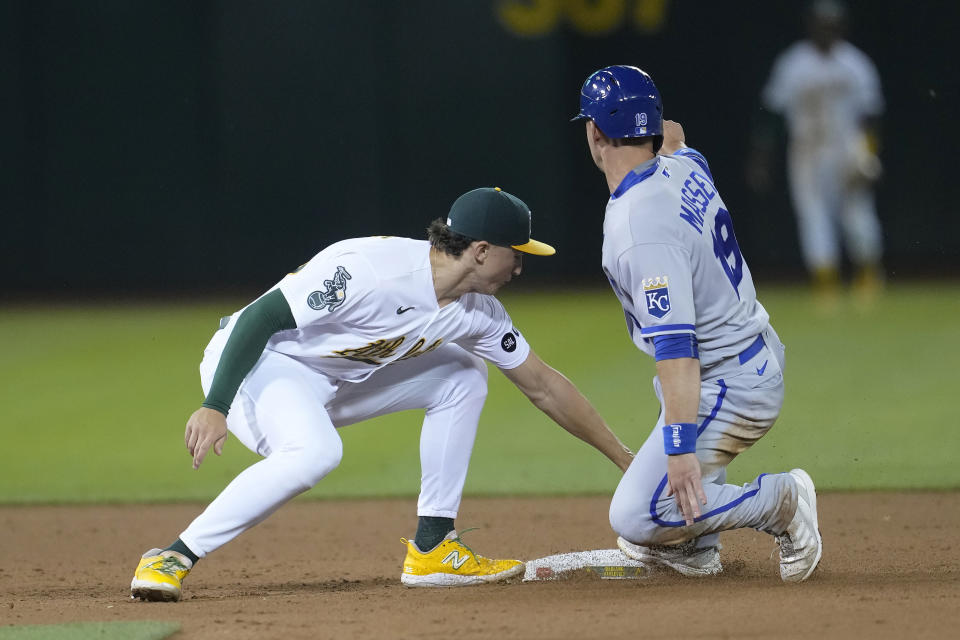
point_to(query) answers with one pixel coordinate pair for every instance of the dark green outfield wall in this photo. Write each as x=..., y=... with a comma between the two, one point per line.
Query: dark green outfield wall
x=185, y=145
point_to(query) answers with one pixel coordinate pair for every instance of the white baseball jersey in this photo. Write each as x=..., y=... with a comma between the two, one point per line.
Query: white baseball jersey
x=671, y=256
x=823, y=96
x=364, y=303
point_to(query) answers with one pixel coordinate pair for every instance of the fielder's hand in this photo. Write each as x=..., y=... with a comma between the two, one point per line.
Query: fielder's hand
x=205, y=427
x=863, y=164
x=683, y=482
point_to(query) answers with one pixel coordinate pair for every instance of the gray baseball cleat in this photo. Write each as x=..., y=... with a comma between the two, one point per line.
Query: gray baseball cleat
x=684, y=558
x=801, y=545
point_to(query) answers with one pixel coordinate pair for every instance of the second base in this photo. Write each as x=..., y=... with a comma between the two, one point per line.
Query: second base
x=609, y=564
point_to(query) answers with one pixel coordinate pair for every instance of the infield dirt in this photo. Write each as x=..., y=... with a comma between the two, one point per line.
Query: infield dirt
x=331, y=569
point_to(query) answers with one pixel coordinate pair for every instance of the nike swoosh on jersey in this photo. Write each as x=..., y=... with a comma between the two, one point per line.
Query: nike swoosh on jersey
x=401, y=309
x=760, y=370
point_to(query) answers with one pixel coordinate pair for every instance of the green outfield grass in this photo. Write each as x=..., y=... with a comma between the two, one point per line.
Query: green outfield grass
x=144, y=630
x=93, y=400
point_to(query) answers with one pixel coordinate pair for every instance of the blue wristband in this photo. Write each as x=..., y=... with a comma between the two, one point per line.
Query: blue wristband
x=680, y=437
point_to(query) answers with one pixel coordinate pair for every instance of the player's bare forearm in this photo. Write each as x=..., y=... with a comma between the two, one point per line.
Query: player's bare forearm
x=572, y=411
x=680, y=387
x=680, y=383
x=551, y=392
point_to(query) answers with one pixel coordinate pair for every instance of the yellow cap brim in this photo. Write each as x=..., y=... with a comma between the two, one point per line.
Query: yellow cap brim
x=535, y=247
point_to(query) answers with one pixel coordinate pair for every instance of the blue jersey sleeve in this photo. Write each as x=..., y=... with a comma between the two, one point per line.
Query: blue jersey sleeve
x=676, y=345
x=697, y=157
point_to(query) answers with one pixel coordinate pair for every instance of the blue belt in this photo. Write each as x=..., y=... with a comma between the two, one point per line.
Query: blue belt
x=752, y=350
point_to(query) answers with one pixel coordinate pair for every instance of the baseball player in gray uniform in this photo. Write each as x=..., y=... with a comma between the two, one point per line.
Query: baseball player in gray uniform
x=671, y=256
x=367, y=327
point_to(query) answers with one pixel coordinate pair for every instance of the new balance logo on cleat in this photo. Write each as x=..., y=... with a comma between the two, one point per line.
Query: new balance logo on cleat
x=454, y=559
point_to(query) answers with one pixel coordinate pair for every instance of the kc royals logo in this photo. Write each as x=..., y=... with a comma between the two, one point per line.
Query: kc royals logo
x=657, y=295
x=641, y=120
x=335, y=294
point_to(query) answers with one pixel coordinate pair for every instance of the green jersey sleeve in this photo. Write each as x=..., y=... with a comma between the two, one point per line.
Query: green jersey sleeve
x=265, y=317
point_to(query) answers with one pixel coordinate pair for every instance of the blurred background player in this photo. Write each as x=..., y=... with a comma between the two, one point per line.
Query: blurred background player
x=828, y=91
x=672, y=259
x=371, y=326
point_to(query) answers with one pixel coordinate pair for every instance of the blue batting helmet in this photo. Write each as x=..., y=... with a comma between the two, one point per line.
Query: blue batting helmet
x=623, y=102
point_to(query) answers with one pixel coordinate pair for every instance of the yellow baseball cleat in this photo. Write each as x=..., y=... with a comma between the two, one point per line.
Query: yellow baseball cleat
x=159, y=576
x=453, y=564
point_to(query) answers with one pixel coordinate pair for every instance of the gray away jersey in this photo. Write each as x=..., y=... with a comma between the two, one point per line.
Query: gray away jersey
x=671, y=256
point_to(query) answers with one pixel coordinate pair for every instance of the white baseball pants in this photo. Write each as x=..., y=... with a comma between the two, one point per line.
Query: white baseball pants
x=829, y=208
x=289, y=414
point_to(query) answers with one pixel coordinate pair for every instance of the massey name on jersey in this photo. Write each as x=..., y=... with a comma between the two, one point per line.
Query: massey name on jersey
x=696, y=194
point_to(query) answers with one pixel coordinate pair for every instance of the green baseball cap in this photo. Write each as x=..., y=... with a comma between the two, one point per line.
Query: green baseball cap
x=494, y=215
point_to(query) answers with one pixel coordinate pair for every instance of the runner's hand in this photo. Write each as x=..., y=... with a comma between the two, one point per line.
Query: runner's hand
x=683, y=482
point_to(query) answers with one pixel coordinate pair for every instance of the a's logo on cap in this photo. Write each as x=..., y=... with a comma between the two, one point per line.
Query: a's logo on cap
x=657, y=295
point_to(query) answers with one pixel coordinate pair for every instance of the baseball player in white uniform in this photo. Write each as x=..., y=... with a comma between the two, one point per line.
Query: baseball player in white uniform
x=829, y=93
x=371, y=326
x=672, y=259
